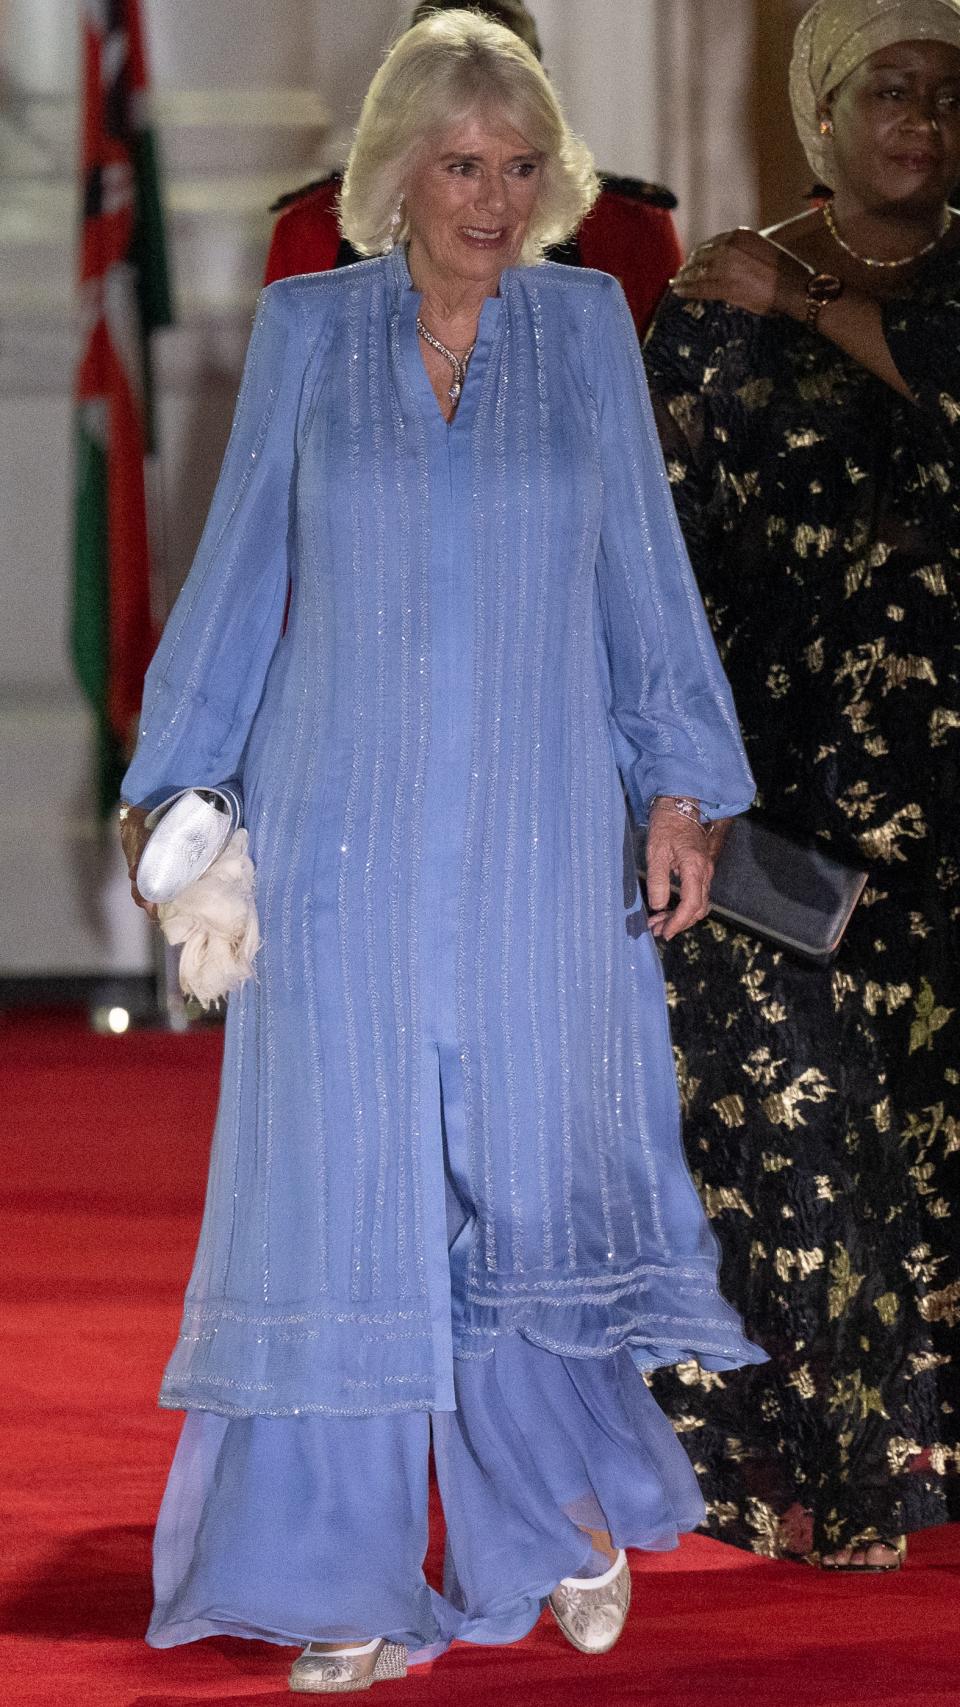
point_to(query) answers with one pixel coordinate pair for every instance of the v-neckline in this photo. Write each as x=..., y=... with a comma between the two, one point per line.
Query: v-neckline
x=410, y=300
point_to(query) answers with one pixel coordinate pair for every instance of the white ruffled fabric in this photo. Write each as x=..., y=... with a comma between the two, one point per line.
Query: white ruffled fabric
x=214, y=923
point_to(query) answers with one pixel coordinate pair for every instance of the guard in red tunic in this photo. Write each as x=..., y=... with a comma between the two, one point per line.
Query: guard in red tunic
x=629, y=231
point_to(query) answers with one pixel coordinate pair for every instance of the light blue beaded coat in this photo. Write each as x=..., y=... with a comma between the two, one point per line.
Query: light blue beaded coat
x=458, y=1025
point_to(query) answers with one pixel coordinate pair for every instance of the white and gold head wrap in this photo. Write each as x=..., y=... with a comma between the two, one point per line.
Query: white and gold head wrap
x=836, y=36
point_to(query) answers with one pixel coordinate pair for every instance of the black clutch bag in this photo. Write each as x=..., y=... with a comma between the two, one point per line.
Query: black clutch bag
x=789, y=892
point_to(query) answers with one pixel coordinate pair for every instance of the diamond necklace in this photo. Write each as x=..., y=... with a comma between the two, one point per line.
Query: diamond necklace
x=871, y=261
x=458, y=363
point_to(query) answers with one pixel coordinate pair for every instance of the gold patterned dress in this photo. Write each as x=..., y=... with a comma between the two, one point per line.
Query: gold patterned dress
x=822, y=513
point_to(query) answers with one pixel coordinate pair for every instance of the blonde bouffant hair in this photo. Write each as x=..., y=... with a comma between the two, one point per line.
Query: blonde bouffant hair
x=454, y=65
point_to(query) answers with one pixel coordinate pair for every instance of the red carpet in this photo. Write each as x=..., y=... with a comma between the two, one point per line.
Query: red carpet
x=106, y=1143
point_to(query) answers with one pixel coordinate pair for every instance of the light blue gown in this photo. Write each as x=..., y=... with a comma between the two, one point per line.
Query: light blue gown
x=449, y=1123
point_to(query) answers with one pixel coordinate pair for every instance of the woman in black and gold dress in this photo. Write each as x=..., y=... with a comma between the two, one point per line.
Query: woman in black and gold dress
x=808, y=392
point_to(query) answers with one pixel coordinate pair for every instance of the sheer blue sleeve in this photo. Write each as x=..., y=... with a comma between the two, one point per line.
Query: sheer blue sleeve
x=207, y=676
x=672, y=717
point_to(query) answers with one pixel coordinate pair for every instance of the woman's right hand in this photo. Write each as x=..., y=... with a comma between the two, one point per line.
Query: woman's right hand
x=676, y=844
x=747, y=271
x=133, y=838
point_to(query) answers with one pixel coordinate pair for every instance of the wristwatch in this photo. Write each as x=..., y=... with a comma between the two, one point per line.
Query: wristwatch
x=821, y=289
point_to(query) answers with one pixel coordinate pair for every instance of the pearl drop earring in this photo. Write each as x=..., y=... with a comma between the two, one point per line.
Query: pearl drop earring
x=826, y=128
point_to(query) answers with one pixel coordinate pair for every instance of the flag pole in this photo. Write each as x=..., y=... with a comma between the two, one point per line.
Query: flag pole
x=124, y=296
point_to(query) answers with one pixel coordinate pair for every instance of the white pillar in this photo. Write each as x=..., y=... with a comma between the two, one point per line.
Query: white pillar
x=39, y=40
x=603, y=59
x=704, y=83
x=662, y=89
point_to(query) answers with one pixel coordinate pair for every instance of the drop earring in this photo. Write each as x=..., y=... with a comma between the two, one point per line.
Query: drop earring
x=826, y=127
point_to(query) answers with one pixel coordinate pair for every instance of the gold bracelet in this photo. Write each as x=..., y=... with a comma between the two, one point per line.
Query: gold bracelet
x=822, y=289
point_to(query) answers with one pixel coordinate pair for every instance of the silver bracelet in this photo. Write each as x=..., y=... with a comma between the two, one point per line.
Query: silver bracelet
x=686, y=806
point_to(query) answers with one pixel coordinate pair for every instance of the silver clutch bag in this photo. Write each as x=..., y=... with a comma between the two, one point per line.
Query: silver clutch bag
x=791, y=893
x=187, y=833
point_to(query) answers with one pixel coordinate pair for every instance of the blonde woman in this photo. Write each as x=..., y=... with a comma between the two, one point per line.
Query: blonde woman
x=447, y=1191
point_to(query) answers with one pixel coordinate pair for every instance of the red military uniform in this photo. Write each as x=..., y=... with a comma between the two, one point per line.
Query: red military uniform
x=629, y=232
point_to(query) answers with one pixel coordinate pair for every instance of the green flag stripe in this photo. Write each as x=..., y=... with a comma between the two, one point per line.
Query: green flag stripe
x=148, y=250
x=90, y=620
x=90, y=625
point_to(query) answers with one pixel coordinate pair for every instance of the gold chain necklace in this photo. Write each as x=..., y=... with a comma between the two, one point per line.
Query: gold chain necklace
x=870, y=260
x=458, y=363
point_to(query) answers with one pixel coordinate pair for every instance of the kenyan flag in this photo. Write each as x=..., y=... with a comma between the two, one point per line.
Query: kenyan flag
x=124, y=296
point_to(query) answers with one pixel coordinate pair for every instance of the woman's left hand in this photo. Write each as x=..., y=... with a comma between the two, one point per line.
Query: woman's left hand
x=676, y=844
x=133, y=838
x=747, y=271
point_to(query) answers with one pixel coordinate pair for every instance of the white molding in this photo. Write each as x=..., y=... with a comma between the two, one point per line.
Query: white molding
x=276, y=109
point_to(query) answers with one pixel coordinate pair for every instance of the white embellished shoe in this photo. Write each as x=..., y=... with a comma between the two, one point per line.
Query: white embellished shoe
x=336, y=1671
x=591, y=1611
